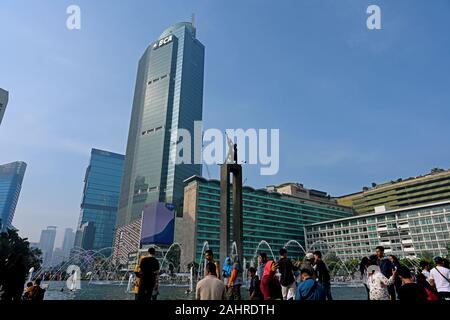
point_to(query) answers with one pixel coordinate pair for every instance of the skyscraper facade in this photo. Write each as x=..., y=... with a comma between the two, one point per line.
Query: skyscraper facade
x=101, y=196
x=3, y=103
x=47, y=244
x=11, y=178
x=168, y=97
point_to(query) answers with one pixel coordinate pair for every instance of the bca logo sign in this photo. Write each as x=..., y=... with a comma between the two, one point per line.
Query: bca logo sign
x=162, y=42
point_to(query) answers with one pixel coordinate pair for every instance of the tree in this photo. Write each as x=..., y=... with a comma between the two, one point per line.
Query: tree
x=447, y=247
x=16, y=258
x=427, y=256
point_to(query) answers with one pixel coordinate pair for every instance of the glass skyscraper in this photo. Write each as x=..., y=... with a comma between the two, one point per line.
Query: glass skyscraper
x=101, y=196
x=11, y=178
x=3, y=102
x=168, y=96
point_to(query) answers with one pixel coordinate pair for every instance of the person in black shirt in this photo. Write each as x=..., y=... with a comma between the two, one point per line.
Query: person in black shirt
x=254, y=290
x=149, y=268
x=322, y=274
x=287, y=279
x=409, y=291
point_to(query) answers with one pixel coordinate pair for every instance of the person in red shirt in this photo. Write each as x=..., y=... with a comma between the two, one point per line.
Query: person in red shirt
x=270, y=284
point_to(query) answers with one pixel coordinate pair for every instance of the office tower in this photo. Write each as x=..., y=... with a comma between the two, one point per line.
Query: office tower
x=168, y=97
x=101, y=196
x=11, y=178
x=68, y=242
x=46, y=244
x=3, y=103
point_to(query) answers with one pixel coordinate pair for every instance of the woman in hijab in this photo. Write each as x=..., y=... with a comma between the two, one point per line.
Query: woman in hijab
x=270, y=285
x=226, y=270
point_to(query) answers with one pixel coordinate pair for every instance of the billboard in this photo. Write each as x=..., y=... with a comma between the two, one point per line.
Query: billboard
x=158, y=222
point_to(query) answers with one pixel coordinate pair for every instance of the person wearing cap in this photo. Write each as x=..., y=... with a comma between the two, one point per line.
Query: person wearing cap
x=308, y=262
x=440, y=279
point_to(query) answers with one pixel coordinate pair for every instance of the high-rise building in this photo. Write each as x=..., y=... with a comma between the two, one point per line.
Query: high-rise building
x=46, y=244
x=277, y=218
x=168, y=97
x=85, y=237
x=3, y=103
x=11, y=178
x=401, y=193
x=101, y=196
x=68, y=242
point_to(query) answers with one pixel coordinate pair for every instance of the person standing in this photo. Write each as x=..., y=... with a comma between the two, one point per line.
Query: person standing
x=425, y=268
x=409, y=290
x=308, y=262
x=322, y=274
x=209, y=257
x=396, y=264
x=386, y=268
x=210, y=288
x=235, y=282
x=378, y=283
x=363, y=265
x=262, y=259
x=254, y=290
x=308, y=288
x=270, y=285
x=149, y=269
x=440, y=279
x=227, y=270
x=287, y=279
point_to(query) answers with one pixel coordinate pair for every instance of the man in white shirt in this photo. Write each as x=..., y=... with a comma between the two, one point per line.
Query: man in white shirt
x=210, y=288
x=440, y=279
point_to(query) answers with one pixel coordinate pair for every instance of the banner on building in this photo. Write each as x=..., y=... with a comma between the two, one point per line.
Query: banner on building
x=158, y=222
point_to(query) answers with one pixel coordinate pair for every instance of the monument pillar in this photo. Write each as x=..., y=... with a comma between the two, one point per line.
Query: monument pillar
x=231, y=223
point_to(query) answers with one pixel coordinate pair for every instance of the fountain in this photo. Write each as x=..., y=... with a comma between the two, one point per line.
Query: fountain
x=262, y=242
x=287, y=244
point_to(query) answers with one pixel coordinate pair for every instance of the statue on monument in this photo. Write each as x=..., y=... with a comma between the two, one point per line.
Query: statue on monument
x=231, y=151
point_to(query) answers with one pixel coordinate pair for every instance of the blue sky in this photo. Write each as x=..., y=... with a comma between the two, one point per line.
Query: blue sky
x=353, y=106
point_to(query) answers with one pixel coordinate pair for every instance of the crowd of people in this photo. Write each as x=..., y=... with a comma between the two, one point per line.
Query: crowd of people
x=271, y=280
x=385, y=278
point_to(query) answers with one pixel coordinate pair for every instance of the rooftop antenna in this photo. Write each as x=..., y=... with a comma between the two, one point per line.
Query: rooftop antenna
x=193, y=19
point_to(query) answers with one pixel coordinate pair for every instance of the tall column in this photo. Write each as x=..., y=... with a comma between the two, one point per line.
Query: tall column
x=237, y=213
